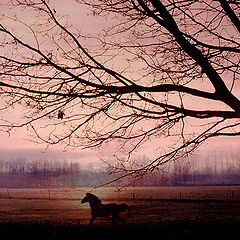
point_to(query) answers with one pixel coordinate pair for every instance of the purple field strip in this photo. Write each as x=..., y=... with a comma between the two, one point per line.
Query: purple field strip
x=225, y=193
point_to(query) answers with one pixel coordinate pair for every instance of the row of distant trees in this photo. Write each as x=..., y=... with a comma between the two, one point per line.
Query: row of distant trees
x=210, y=168
x=214, y=168
x=53, y=173
x=41, y=167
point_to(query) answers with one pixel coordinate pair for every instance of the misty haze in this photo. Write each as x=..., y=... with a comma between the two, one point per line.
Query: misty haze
x=119, y=119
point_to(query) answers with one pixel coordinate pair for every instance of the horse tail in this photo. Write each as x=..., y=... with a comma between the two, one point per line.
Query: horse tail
x=122, y=207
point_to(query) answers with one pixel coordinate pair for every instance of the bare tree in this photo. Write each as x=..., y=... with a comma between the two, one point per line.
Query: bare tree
x=161, y=71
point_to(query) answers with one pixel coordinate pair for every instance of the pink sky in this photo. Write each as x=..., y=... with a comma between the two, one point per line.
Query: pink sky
x=18, y=144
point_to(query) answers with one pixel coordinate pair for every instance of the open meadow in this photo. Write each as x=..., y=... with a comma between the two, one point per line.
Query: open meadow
x=172, y=212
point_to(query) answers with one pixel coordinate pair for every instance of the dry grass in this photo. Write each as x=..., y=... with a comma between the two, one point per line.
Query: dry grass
x=177, y=230
x=142, y=211
x=166, y=219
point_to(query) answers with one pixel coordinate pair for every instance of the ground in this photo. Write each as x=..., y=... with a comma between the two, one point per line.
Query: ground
x=174, y=230
x=53, y=218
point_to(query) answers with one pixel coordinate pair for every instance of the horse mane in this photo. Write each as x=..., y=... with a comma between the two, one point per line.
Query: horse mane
x=94, y=198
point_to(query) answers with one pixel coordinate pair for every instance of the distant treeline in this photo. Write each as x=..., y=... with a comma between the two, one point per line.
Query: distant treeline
x=214, y=169
x=49, y=173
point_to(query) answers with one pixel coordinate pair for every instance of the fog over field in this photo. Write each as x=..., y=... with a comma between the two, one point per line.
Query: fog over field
x=19, y=169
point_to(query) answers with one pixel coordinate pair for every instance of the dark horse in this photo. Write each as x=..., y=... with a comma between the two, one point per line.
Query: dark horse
x=104, y=210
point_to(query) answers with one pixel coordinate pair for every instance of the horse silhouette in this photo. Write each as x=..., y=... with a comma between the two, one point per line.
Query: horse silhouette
x=105, y=210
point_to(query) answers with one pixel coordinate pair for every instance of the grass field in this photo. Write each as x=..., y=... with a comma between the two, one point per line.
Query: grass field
x=29, y=216
x=192, y=230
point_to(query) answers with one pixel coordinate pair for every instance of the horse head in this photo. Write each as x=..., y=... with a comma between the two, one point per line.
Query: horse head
x=91, y=199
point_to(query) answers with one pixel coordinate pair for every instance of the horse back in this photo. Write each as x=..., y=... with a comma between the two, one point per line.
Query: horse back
x=105, y=210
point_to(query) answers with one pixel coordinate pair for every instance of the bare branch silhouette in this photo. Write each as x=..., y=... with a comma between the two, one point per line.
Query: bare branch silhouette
x=160, y=71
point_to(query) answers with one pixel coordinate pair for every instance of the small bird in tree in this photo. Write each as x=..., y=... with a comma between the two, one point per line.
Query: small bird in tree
x=60, y=114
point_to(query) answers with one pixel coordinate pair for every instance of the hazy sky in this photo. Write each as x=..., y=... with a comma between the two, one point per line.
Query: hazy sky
x=18, y=145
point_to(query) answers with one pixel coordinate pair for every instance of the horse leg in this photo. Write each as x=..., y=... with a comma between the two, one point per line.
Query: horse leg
x=91, y=221
x=121, y=221
x=113, y=220
x=116, y=217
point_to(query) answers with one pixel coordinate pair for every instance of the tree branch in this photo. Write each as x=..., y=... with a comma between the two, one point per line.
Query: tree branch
x=231, y=14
